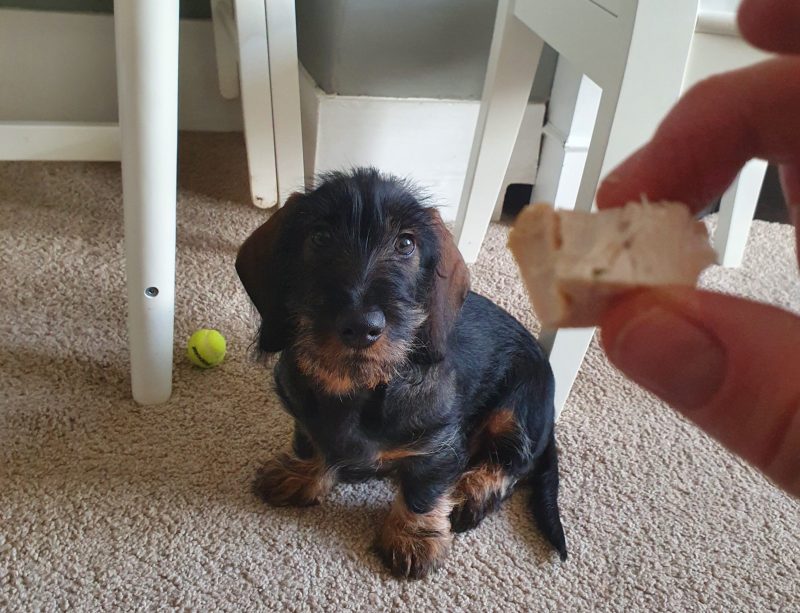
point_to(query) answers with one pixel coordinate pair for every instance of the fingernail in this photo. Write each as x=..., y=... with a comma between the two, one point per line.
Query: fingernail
x=672, y=356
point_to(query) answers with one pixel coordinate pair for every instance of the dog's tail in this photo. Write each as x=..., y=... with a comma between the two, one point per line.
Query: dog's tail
x=544, y=497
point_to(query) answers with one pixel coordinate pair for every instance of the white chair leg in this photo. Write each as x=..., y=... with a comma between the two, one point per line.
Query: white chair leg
x=736, y=212
x=513, y=61
x=224, y=23
x=566, y=349
x=251, y=27
x=626, y=117
x=525, y=157
x=573, y=108
x=285, y=79
x=147, y=82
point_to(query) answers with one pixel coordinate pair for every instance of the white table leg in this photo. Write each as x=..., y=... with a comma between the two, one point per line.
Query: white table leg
x=513, y=61
x=251, y=28
x=285, y=85
x=147, y=83
x=736, y=212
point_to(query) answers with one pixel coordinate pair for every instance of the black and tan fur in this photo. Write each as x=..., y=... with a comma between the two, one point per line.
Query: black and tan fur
x=389, y=365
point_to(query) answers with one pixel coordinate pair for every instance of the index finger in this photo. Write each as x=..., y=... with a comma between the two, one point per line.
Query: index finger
x=772, y=25
x=716, y=127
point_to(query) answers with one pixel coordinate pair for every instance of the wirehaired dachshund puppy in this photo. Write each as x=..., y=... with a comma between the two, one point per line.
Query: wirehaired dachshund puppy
x=390, y=365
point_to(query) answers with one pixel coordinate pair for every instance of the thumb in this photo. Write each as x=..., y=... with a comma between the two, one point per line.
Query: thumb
x=730, y=365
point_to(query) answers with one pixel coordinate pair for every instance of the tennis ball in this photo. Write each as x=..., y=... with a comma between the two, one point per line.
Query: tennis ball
x=206, y=348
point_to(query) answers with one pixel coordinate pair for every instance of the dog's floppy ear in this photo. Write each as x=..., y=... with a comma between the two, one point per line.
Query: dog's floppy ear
x=261, y=266
x=449, y=289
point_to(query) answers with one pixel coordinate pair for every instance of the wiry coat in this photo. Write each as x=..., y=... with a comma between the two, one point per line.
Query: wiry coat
x=390, y=365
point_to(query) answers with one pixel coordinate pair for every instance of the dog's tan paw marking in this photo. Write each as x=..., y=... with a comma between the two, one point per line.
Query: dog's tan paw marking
x=290, y=481
x=414, y=545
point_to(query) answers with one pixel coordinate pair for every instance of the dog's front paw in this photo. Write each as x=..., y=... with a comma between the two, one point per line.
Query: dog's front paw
x=414, y=555
x=290, y=481
x=415, y=545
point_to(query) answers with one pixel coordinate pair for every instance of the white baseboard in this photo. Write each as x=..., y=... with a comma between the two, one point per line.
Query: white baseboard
x=23, y=140
x=426, y=140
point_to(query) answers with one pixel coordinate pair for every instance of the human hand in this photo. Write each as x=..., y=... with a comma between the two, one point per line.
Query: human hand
x=730, y=365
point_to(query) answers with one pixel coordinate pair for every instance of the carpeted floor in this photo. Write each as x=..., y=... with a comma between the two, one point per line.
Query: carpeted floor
x=106, y=505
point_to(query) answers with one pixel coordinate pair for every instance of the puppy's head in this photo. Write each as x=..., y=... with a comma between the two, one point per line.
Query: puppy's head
x=355, y=277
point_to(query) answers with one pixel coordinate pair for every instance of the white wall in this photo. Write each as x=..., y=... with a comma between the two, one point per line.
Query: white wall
x=60, y=67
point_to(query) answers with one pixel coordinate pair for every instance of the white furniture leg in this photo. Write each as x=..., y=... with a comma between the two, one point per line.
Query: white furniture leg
x=147, y=86
x=513, y=60
x=525, y=156
x=574, y=102
x=224, y=24
x=630, y=108
x=573, y=117
x=285, y=80
x=566, y=349
x=251, y=27
x=717, y=47
x=736, y=212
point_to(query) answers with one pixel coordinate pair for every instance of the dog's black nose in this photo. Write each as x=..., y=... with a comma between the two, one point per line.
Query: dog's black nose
x=360, y=328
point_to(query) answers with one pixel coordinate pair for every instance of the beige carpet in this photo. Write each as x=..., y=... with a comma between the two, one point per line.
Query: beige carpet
x=105, y=505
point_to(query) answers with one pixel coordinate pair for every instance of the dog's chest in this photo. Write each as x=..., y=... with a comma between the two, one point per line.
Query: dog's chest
x=357, y=426
x=350, y=425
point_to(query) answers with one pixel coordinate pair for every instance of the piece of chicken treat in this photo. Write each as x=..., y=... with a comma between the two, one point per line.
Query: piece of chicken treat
x=573, y=264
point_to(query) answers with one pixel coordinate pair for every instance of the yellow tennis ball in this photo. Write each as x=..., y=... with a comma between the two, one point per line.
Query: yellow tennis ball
x=206, y=348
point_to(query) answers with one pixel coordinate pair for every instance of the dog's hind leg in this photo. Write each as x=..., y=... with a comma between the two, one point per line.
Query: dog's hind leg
x=500, y=456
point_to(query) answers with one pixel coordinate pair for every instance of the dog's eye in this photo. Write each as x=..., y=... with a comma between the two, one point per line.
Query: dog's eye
x=320, y=237
x=404, y=244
